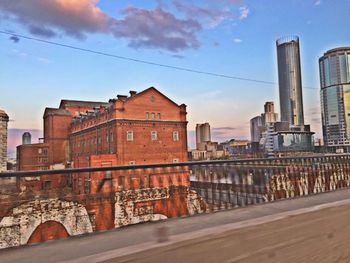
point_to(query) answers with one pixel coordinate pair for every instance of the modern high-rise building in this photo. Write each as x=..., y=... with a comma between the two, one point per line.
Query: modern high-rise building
x=289, y=80
x=4, y=118
x=202, y=134
x=335, y=98
x=255, y=129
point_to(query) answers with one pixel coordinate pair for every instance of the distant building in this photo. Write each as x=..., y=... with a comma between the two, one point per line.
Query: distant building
x=292, y=135
x=255, y=129
x=335, y=98
x=197, y=155
x=237, y=147
x=142, y=128
x=203, y=135
x=269, y=114
x=205, y=148
x=289, y=80
x=260, y=128
x=4, y=118
x=26, y=138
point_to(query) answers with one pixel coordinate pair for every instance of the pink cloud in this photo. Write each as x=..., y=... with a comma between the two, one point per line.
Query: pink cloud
x=142, y=28
x=73, y=17
x=156, y=28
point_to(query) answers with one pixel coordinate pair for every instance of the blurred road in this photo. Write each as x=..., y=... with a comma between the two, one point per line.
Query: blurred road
x=310, y=229
x=322, y=236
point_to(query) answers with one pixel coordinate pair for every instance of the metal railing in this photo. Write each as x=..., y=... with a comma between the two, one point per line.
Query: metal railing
x=41, y=205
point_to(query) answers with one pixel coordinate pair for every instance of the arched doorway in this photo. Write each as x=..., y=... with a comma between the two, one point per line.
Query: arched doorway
x=48, y=231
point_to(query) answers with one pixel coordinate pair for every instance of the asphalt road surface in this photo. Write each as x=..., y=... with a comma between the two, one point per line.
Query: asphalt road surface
x=322, y=236
x=310, y=229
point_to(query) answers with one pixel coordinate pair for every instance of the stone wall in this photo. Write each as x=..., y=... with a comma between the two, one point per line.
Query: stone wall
x=44, y=217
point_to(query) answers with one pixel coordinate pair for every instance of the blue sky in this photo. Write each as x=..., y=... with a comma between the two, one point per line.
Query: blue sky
x=232, y=37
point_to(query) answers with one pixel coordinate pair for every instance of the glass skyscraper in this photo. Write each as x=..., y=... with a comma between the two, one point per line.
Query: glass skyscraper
x=289, y=80
x=335, y=98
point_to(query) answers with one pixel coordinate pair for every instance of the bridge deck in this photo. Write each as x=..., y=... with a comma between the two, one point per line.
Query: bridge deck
x=309, y=229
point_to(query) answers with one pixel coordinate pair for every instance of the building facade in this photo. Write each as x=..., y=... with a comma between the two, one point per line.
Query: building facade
x=255, y=129
x=289, y=80
x=146, y=127
x=4, y=118
x=334, y=68
x=261, y=128
x=269, y=115
x=203, y=135
x=142, y=128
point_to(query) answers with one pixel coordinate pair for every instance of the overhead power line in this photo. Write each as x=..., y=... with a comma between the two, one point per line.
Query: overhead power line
x=12, y=34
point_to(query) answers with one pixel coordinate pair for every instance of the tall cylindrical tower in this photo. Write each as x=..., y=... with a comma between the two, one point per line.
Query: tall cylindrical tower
x=289, y=80
x=4, y=118
x=335, y=98
x=202, y=134
x=26, y=138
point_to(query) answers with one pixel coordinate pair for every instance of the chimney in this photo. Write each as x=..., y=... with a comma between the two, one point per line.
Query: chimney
x=122, y=97
x=132, y=93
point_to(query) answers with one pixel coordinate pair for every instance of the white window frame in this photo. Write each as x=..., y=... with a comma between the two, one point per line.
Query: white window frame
x=129, y=136
x=175, y=160
x=176, y=136
x=154, y=136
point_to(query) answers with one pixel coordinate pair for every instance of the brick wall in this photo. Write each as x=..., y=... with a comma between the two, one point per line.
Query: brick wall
x=3, y=141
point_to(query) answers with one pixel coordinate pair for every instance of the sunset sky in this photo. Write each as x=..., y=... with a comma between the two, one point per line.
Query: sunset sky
x=229, y=37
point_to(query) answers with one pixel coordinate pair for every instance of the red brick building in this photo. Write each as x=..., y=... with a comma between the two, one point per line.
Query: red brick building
x=145, y=127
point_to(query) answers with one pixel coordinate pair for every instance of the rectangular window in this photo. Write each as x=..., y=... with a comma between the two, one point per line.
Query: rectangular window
x=111, y=137
x=159, y=116
x=107, y=137
x=40, y=151
x=153, y=135
x=130, y=136
x=175, y=136
x=47, y=185
x=343, y=68
x=147, y=115
x=153, y=115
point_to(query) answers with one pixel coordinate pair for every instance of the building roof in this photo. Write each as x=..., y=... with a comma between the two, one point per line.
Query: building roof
x=81, y=103
x=338, y=49
x=53, y=111
x=152, y=88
